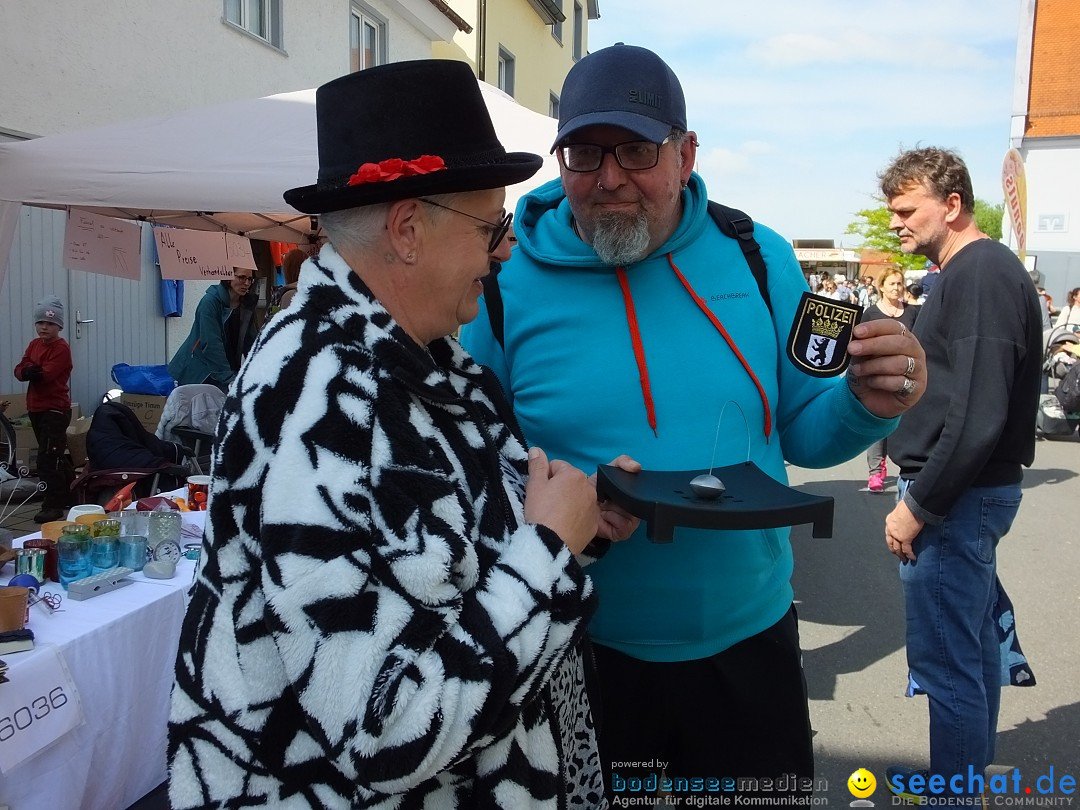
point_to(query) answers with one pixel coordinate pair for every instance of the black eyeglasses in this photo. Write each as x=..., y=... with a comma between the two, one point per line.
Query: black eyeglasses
x=634, y=156
x=248, y=279
x=498, y=229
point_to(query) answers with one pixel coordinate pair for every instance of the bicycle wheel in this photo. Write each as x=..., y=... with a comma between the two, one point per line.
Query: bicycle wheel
x=7, y=446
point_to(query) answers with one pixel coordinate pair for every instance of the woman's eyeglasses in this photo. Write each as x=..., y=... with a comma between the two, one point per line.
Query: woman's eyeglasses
x=498, y=229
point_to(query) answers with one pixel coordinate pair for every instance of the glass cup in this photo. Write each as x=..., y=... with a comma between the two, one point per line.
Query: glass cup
x=131, y=522
x=132, y=551
x=104, y=553
x=49, y=547
x=106, y=527
x=30, y=561
x=73, y=556
x=164, y=526
x=198, y=490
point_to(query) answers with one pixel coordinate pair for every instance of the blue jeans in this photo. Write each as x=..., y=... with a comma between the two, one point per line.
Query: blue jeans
x=953, y=648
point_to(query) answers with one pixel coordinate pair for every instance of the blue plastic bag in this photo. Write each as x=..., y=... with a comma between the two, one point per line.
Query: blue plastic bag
x=154, y=380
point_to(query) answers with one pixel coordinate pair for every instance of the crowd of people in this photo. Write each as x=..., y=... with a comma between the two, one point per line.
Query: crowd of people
x=410, y=594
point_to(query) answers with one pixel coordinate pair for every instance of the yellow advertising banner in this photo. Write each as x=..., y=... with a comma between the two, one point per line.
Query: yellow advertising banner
x=1015, y=186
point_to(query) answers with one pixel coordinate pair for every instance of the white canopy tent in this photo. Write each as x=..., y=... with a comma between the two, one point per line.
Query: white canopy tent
x=222, y=167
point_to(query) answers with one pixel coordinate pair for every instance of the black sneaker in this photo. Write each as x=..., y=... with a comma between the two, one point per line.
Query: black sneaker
x=46, y=515
x=905, y=775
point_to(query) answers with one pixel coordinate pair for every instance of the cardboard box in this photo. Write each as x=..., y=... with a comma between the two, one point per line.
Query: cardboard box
x=145, y=406
x=25, y=441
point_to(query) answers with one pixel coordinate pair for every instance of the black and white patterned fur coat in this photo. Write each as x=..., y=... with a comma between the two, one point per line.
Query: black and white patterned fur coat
x=374, y=624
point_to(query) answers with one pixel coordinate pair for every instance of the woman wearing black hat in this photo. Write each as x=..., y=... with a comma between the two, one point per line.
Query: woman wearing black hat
x=389, y=605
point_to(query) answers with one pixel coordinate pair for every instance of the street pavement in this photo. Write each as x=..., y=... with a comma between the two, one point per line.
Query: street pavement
x=851, y=614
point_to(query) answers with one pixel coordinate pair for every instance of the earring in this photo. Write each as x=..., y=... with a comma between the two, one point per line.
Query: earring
x=410, y=257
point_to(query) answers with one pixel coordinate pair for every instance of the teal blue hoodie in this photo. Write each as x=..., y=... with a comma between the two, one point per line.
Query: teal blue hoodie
x=569, y=368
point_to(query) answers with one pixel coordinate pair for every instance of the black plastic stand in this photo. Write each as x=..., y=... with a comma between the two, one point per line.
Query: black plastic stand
x=752, y=500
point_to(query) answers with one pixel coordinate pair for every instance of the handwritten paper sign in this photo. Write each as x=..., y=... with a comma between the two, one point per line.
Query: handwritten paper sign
x=98, y=244
x=201, y=255
x=239, y=250
x=38, y=706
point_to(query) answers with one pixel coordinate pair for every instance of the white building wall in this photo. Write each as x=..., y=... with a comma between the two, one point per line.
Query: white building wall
x=1053, y=171
x=72, y=64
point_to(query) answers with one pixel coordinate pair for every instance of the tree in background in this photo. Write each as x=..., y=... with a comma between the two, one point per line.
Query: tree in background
x=989, y=217
x=873, y=227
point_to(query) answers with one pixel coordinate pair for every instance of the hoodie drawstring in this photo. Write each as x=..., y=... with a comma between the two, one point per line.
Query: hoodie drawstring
x=639, y=349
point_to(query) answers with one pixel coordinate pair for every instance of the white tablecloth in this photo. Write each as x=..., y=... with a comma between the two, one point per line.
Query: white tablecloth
x=120, y=649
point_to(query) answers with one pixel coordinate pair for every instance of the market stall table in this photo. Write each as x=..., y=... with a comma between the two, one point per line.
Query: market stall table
x=119, y=650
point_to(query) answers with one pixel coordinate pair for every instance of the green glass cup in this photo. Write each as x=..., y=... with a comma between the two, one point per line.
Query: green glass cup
x=108, y=527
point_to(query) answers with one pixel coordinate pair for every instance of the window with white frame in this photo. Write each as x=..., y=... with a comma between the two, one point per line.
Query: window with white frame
x=367, y=38
x=506, y=71
x=556, y=27
x=260, y=18
x=579, y=31
x=553, y=106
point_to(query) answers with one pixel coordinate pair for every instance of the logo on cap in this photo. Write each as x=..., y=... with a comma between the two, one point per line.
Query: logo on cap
x=646, y=98
x=820, y=333
x=50, y=313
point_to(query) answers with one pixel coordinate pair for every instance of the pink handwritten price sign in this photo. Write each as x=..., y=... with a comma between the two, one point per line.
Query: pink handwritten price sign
x=38, y=706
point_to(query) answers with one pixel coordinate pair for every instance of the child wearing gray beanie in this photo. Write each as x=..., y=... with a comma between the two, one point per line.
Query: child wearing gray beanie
x=46, y=368
x=50, y=310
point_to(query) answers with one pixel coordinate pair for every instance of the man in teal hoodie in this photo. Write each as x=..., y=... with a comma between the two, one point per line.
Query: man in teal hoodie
x=630, y=317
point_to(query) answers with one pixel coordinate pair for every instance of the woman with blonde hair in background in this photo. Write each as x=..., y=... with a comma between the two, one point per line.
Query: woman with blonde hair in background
x=891, y=304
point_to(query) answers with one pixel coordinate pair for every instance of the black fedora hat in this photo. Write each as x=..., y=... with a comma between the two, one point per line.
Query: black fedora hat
x=402, y=130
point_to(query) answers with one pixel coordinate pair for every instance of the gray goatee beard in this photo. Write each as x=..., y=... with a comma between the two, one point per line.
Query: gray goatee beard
x=620, y=239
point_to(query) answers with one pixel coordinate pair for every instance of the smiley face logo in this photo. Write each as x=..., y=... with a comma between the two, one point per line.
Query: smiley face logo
x=861, y=783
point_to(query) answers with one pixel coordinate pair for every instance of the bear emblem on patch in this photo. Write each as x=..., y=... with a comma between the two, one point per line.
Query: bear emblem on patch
x=820, y=334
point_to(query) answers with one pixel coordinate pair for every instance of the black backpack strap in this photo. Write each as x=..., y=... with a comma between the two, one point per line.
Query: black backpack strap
x=736, y=225
x=493, y=301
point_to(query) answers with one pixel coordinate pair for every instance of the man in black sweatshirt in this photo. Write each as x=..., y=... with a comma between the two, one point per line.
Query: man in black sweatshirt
x=960, y=450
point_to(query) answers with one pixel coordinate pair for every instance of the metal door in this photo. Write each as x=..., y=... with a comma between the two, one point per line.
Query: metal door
x=107, y=320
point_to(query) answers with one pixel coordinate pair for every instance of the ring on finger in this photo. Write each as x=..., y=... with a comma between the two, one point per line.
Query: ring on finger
x=910, y=367
x=903, y=331
x=908, y=388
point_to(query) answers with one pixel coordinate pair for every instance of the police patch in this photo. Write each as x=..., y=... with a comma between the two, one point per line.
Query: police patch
x=820, y=334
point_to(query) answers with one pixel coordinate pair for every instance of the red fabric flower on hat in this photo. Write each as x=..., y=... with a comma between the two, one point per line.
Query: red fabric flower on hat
x=425, y=164
x=368, y=173
x=395, y=168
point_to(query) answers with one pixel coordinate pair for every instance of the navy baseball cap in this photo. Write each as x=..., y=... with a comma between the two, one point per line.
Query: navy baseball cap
x=623, y=86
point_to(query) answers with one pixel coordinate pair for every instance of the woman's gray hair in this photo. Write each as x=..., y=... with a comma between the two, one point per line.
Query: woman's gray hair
x=357, y=230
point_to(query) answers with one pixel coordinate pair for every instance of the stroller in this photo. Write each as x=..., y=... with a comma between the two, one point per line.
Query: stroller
x=1061, y=350
x=120, y=451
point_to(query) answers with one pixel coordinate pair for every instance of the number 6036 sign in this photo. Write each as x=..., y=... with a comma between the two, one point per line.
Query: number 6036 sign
x=24, y=716
x=38, y=706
